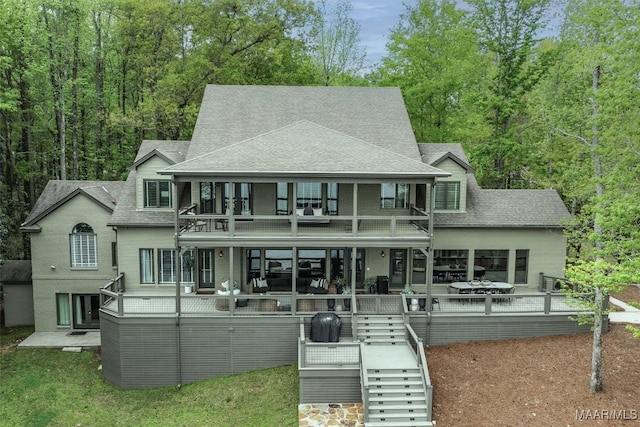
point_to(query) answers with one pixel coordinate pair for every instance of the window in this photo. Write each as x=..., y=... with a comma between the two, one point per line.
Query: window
x=207, y=197
x=332, y=198
x=114, y=254
x=84, y=247
x=146, y=266
x=242, y=200
x=282, y=199
x=312, y=262
x=187, y=266
x=309, y=194
x=157, y=193
x=166, y=266
x=253, y=263
x=450, y=265
x=63, y=310
x=419, y=267
x=447, y=196
x=394, y=196
x=522, y=265
x=205, y=268
x=494, y=262
x=341, y=265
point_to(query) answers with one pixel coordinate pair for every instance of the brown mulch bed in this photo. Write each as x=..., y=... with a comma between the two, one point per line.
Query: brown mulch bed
x=541, y=381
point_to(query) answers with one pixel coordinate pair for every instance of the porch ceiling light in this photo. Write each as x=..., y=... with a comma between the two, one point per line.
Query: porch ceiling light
x=382, y=254
x=220, y=254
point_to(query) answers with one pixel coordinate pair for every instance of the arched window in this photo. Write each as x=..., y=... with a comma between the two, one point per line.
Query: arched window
x=84, y=246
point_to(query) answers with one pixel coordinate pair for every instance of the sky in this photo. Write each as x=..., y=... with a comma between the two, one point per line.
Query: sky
x=377, y=18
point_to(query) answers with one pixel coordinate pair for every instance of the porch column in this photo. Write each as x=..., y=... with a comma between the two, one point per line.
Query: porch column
x=430, y=251
x=294, y=204
x=232, y=297
x=354, y=218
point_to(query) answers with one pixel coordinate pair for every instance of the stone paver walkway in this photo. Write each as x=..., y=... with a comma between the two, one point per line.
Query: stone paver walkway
x=331, y=414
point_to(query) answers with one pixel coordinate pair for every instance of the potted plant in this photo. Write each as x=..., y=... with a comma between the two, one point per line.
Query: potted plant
x=370, y=285
x=346, y=290
x=412, y=303
x=341, y=283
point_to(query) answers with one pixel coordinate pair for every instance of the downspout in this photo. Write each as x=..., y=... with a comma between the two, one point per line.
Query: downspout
x=177, y=270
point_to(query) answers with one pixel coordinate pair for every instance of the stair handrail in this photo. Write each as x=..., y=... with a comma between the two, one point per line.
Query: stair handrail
x=421, y=360
x=364, y=381
x=302, y=352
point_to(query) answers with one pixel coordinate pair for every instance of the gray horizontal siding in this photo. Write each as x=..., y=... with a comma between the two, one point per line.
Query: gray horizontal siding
x=450, y=329
x=142, y=352
x=330, y=386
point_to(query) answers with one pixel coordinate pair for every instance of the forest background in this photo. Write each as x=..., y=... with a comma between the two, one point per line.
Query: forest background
x=83, y=82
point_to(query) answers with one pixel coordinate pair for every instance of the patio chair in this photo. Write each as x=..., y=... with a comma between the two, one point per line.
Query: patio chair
x=435, y=301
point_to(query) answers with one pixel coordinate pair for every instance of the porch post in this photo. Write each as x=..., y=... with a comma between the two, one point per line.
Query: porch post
x=232, y=296
x=176, y=261
x=354, y=218
x=294, y=204
x=430, y=250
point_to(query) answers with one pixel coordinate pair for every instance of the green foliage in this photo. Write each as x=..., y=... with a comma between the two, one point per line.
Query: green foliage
x=433, y=57
x=50, y=387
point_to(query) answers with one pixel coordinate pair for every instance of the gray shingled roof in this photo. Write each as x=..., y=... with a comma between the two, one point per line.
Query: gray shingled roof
x=126, y=212
x=230, y=114
x=15, y=272
x=496, y=208
x=171, y=151
x=508, y=208
x=55, y=193
x=305, y=148
x=435, y=153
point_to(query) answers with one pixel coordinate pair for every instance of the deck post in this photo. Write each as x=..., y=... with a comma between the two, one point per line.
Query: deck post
x=547, y=302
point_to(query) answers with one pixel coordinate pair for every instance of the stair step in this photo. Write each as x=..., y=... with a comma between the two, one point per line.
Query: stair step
x=399, y=424
x=390, y=341
x=395, y=418
x=377, y=385
x=408, y=408
x=395, y=371
x=408, y=392
x=404, y=375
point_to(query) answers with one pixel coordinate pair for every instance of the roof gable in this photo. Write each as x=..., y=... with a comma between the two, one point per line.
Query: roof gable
x=230, y=114
x=304, y=148
x=57, y=193
x=171, y=152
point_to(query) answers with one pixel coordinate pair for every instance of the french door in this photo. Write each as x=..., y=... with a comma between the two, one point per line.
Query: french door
x=86, y=311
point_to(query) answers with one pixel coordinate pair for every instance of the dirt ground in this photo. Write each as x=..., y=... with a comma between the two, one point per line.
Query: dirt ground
x=540, y=381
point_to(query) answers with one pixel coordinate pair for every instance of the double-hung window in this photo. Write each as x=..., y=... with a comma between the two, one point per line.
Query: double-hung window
x=309, y=194
x=447, y=196
x=166, y=266
x=146, y=266
x=157, y=193
x=84, y=247
x=394, y=196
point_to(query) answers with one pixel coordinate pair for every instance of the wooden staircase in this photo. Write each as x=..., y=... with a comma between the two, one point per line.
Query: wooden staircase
x=381, y=329
x=396, y=394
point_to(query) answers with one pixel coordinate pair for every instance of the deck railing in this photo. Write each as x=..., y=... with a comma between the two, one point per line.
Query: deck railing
x=222, y=225
x=139, y=303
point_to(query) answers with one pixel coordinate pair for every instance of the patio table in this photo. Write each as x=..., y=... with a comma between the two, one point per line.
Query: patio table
x=480, y=287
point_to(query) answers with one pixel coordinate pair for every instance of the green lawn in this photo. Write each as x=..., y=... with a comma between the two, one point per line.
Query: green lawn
x=55, y=388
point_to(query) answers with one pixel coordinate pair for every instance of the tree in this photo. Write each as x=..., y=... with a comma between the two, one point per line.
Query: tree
x=597, y=92
x=433, y=57
x=335, y=43
x=507, y=30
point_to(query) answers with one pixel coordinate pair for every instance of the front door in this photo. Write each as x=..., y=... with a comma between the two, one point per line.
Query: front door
x=398, y=268
x=86, y=311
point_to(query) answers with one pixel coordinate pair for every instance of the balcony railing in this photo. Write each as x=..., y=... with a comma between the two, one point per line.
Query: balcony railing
x=414, y=224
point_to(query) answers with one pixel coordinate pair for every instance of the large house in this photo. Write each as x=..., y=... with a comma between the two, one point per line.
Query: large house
x=215, y=247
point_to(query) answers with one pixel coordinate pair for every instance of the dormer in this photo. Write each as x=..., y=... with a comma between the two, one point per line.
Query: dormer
x=450, y=192
x=154, y=192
